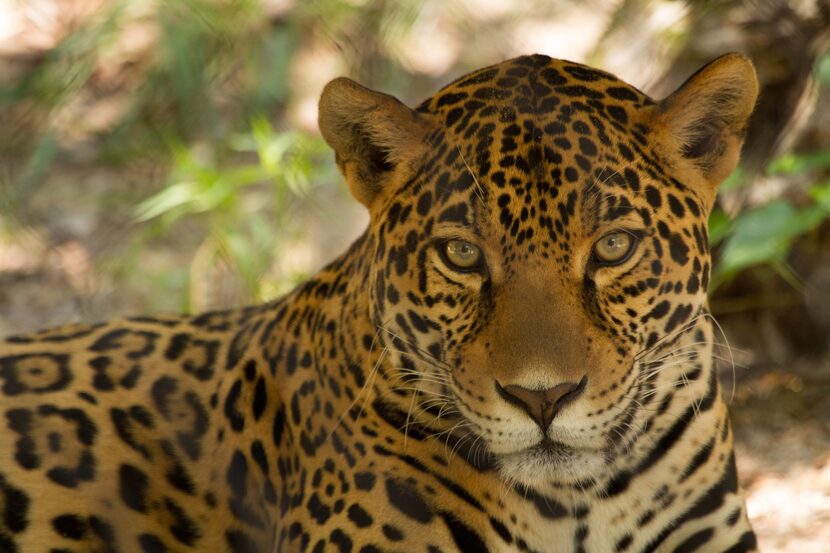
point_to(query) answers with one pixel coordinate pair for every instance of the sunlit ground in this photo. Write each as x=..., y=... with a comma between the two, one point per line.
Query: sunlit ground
x=782, y=425
x=791, y=512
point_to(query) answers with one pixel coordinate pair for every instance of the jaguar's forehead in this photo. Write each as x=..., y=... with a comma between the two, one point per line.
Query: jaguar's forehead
x=543, y=141
x=531, y=90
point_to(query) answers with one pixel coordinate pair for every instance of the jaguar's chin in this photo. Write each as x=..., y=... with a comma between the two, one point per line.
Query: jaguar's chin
x=551, y=463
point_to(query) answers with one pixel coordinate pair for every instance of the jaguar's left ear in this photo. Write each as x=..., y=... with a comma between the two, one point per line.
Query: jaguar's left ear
x=372, y=135
x=700, y=127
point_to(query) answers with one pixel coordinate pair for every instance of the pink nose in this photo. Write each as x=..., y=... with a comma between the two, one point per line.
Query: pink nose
x=542, y=405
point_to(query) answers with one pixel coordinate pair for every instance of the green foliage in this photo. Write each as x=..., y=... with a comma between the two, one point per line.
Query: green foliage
x=248, y=206
x=823, y=69
x=796, y=164
x=764, y=235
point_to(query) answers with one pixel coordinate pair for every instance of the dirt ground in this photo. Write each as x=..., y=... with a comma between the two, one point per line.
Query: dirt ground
x=782, y=429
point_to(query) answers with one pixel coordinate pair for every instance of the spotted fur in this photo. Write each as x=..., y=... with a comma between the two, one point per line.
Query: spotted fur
x=375, y=407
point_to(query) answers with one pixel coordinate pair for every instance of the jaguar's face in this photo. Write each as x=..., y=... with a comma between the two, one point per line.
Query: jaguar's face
x=547, y=232
x=525, y=300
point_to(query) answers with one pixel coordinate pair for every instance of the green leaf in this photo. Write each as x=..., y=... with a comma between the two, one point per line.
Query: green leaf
x=764, y=235
x=719, y=226
x=823, y=69
x=794, y=164
x=737, y=179
x=172, y=197
x=821, y=194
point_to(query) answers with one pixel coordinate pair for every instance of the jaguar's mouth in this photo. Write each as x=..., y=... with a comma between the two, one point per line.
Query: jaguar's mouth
x=549, y=446
x=548, y=451
x=550, y=461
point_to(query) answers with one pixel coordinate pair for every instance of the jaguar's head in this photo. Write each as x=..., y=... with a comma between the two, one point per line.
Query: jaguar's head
x=539, y=229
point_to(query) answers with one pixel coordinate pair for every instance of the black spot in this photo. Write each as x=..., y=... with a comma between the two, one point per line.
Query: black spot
x=678, y=249
x=341, y=540
x=467, y=540
x=404, y=497
x=161, y=391
x=291, y=360
x=580, y=91
x=133, y=484
x=184, y=529
x=455, y=214
x=585, y=73
x=653, y=197
x=658, y=311
x=364, y=481
x=587, y=146
x=259, y=456
x=624, y=543
x=237, y=474
x=114, y=340
x=103, y=530
x=69, y=526
x=501, y=530
x=240, y=542
x=618, y=113
x=693, y=207
x=424, y=203
x=122, y=422
x=279, y=426
x=453, y=116
x=632, y=179
x=318, y=510
x=698, y=460
x=621, y=93
x=260, y=399
x=178, y=477
x=203, y=351
x=450, y=98
x=359, y=516
x=393, y=533
x=236, y=418
x=693, y=284
x=678, y=316
x=675, y=205
x=151, y=544
x=746, y=543
x=15, y=507
x=695, y=541
x=571, y=174
x=545, y=505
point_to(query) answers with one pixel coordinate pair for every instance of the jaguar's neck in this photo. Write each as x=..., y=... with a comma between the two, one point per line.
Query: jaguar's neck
x=319, y=341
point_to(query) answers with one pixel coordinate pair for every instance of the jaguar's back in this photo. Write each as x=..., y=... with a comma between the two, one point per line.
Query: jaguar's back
x=515, y=355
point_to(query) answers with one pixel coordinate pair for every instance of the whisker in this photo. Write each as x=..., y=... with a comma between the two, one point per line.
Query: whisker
x=369, y=380
x=426, y=356
x=479, y=189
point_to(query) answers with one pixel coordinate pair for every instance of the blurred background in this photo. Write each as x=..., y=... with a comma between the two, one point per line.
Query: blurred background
x=163, y=155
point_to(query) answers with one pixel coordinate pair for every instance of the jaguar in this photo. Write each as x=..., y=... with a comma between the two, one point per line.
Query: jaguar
x=516, y=354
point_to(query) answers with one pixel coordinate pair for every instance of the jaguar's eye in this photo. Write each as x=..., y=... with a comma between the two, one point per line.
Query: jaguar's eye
x=461, y=255
x=614, y=248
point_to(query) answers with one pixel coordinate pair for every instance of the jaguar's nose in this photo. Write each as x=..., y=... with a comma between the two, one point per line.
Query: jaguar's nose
x=542, y=405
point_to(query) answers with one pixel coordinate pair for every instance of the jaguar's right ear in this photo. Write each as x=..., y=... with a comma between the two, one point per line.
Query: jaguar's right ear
x=371, y=133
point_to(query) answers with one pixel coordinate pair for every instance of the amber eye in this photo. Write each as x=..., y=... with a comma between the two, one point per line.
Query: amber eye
x=461, y=255
x=614, y=248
